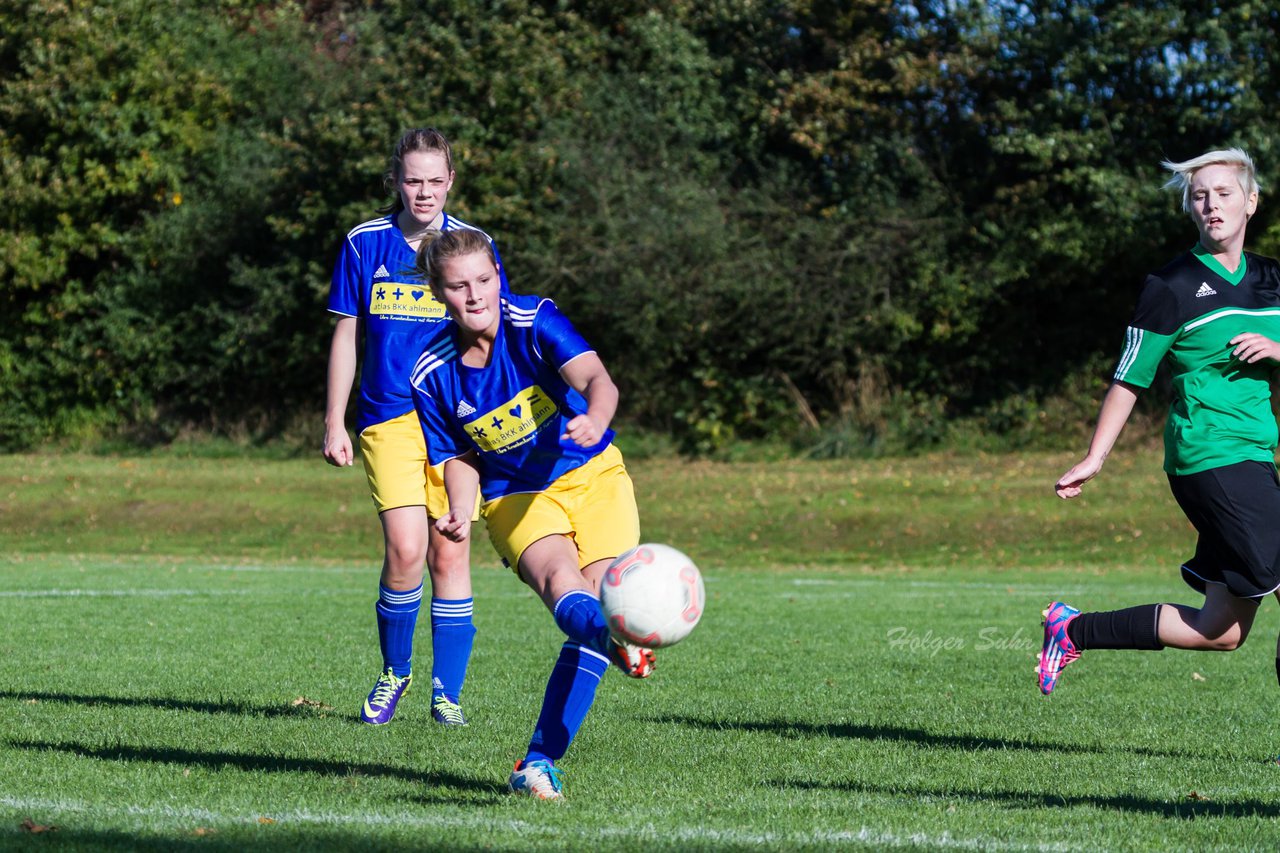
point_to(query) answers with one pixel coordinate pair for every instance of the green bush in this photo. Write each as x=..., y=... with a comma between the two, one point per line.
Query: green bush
x=866, y=229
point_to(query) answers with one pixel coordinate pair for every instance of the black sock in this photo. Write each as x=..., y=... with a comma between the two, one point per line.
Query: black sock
x=1131, y=628
x=1278, y=669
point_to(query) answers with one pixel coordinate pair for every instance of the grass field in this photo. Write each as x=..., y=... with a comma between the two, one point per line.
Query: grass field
x=185, y=642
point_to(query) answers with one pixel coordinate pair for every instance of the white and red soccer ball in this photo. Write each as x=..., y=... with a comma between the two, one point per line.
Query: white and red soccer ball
x=652, y=596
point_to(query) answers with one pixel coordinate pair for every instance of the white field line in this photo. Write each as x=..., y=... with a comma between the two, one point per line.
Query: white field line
x=892, y=584
x=918, y=584
x=116, y=593
x=894, y=581
x=180, y=819
x=289, y=570
x=171, y=562
x=116, y=563
x=1021, y=588
x=518, y=591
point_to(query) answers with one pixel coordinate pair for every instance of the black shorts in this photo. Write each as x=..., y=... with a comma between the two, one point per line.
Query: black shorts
x=1236, y=511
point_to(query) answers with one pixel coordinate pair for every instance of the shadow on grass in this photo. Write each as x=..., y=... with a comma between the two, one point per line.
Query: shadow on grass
x=854, y=731
x=233, y=839
x=1188, y=809
x=65, y=838
x=205, y=707
x=269, y=764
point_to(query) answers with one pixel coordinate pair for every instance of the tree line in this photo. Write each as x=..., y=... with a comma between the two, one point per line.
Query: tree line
x=853, y=225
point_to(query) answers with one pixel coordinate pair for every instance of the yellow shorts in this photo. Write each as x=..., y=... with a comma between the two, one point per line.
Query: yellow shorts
x=395, y=461
x=594, y=505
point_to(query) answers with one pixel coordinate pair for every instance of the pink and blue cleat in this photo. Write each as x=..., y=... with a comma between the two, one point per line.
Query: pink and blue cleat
x=1058, y=650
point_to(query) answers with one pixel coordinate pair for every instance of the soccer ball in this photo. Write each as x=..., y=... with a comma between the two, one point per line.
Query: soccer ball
x=652, y=596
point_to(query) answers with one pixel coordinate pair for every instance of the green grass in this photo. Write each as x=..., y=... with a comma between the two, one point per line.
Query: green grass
x=931, y=512
x=838, y=693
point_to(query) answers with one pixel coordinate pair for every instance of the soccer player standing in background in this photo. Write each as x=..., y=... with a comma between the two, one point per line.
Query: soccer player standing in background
x=1213, y=314
x=515, y=402
x=378, y=297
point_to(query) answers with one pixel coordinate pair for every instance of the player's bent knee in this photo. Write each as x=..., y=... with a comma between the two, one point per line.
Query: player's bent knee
x=448, y=566
x=1228, y=641
x=405, y=557
x=446, y=558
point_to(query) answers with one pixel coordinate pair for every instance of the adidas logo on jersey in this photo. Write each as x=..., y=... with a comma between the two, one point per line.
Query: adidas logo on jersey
x=1205, y=290
x=382, y=272
x=465, y=409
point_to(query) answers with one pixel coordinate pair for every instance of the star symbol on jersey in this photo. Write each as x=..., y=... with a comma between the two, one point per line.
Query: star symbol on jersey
x=478, y=432
x=382, y=293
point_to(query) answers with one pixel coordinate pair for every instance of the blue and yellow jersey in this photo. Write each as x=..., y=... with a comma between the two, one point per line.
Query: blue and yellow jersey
x=374, y=281
x=1186, y=316
x=513, y=411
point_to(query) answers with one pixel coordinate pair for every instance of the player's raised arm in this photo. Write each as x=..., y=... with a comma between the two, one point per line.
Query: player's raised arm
x=587, y=375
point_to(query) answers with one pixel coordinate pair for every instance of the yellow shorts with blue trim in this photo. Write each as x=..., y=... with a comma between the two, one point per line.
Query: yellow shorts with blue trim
x=395, y=462
x=594, y=505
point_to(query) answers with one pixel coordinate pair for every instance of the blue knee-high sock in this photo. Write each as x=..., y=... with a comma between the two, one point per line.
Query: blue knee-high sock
x=570, y=691
x=397, y=616
x=452, y=636
x=578, y=614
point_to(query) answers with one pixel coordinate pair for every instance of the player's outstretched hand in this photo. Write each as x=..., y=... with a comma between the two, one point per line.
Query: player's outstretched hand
x=337, y=447
x=583, y=431
x=1251, y=347
x=1070, y=484
x=455, y=525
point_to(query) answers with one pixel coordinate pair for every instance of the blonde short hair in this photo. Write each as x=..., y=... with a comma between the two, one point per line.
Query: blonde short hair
x=1184, y=172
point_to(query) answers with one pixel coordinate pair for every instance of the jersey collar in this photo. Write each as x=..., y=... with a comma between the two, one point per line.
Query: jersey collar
x=1203, y=255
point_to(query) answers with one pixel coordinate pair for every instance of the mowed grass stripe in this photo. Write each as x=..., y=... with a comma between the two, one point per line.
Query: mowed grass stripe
x=933, y=512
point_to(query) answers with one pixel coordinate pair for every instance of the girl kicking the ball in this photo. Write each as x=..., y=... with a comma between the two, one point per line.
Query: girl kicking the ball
x=1213, y=314
x=514, y=402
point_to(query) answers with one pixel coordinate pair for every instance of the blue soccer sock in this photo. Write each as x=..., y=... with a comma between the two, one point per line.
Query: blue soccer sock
x=452, y=636
x=397, y=617
x=578, y=614
x=570, y=691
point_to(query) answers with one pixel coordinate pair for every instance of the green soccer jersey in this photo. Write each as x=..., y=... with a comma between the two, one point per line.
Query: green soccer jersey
x=1186, y=314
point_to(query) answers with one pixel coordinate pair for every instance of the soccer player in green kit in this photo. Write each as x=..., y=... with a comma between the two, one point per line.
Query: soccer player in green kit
x=1212, y=314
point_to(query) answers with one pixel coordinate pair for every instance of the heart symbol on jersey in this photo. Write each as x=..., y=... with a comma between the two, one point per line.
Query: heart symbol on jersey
x=417, y=294
x=515, y=413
